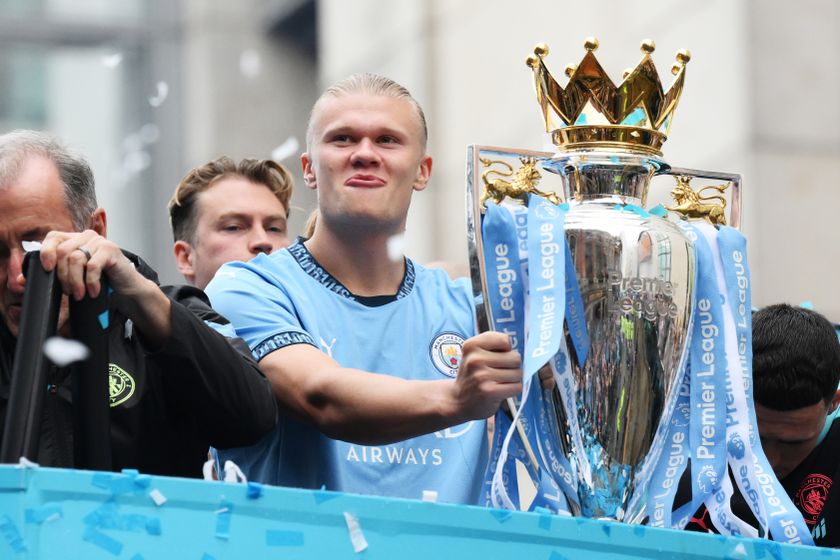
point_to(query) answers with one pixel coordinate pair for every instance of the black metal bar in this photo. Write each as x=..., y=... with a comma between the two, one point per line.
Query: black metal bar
x=91, y=404
x=39, y=319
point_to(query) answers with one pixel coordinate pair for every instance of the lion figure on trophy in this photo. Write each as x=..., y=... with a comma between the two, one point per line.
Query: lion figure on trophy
x=695, y=204
x=524, y=182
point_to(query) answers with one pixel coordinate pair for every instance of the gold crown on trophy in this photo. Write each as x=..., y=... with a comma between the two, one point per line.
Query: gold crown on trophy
x=632, y=116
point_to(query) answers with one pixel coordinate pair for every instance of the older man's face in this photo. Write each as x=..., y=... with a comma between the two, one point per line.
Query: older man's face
x=30, y=207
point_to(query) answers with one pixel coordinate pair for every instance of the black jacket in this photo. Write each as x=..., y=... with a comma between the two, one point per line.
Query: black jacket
x=167, y=406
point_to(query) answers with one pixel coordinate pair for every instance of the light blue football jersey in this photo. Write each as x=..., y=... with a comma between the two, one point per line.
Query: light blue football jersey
x=287, y=298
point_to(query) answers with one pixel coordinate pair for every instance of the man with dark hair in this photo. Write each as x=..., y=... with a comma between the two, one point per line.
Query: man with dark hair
x=177, y=385
x=796, y=369
x=375, y=358
x=225, y=211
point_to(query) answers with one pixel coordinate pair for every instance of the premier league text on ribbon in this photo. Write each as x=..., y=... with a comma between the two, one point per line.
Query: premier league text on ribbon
x=743, y=284
x=549, y=249
x=708, y=334
x=506, y=276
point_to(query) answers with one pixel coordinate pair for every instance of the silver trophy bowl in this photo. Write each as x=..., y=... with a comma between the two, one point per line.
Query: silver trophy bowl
x=636, y=276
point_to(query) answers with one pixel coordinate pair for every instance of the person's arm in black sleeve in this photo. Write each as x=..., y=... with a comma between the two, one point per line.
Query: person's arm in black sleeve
x=213, y=376
x=205, y=380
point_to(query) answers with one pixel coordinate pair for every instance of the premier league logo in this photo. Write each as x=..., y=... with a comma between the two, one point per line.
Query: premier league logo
x=735, y=447
x=681, y=416
x=546, y=210
x=446, y=351
x=707, y=480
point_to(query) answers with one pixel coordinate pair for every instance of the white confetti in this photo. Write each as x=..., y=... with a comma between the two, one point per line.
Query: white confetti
x=287, y=149
x=135, y=162
x=232, y=473
x=430, y=495
x=157, y=497
x=64, y=351
x=132, y=143
x=52, y=518
x=357, y=538
x=208, y=470
x=149, y=133
x=27, y=464
x=221, y=511
x=162, y=91
x=739, y=551
x=112, y=60
x=250, y=63
x=29, y=246
x=396, y=247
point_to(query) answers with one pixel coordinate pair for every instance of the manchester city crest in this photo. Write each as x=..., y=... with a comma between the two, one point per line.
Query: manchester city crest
x=120, y=385
x=446, y=351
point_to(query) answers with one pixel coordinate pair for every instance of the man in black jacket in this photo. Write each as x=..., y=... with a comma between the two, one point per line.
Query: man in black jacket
x=177, y=386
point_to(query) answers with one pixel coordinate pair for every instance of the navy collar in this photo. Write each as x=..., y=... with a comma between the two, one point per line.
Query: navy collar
x=314, y=269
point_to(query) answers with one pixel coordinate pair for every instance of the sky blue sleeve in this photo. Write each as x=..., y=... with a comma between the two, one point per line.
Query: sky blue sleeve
x=260, y=306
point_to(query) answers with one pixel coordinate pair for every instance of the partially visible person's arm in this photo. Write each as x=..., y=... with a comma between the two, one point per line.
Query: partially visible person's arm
x=213, y=375
x=221, y=387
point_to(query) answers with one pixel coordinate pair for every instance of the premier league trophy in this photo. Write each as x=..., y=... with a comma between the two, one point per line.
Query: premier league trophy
x=629, y=282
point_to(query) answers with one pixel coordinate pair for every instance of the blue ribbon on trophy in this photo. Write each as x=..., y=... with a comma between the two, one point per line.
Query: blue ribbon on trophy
x=720, y=370
x=505, y=286
x=753, y=474
x=553, y=296
x=707, y=435
x=543, y=264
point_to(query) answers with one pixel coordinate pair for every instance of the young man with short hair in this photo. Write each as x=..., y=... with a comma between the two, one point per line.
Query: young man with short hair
x=796, y=369
x=361, y=347
x=226, y=211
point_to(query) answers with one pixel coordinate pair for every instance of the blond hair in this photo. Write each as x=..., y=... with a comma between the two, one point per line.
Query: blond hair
x=371, y=84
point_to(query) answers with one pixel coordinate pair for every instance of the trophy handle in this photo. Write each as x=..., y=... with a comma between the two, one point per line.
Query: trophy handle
x=703, y=204
x=476, y=194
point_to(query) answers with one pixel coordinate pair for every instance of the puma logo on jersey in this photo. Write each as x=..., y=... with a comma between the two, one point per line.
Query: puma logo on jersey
x=328, y=348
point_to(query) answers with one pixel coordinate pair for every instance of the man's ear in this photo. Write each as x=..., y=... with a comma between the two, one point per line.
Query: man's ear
x=423, y=173
x=184, y=260
x=308, y=173
x=99, y=222
x=835, y=402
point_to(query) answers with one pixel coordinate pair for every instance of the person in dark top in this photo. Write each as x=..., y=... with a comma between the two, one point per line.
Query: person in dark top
x=176, y=385
x=796, y=369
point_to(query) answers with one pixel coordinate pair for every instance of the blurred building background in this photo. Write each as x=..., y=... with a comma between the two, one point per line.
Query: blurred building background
x=149, y=88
